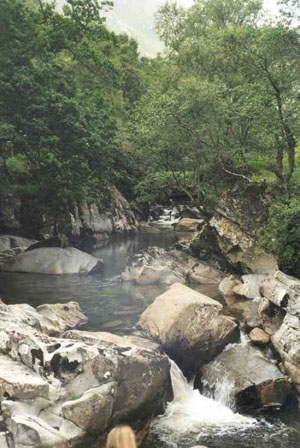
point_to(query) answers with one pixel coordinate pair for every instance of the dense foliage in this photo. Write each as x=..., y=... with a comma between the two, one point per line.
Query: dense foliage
x=65, y=85
x=80, y=111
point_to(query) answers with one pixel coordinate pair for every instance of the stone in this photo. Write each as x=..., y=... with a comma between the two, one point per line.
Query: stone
x=189, y=225
x=53, y=260
x=254, y=381
x=189, y=325
x=154, y=266
x=202, y=273
x=227, y=285
x=250, y=286
x=68, y=390
x=93, y=410
x=159, y=266
x=65, y=316
x=259, y=337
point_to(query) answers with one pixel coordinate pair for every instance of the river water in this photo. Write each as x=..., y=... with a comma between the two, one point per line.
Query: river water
x=112, y=305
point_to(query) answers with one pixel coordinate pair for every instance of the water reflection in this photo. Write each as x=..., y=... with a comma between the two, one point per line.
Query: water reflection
x=110, y=304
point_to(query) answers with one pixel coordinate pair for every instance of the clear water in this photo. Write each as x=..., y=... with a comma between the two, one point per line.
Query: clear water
x=109, y=303
x=112, y=305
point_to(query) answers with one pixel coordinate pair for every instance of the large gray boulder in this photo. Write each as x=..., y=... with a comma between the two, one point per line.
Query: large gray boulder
x=68, y=390
x=54, y=260
x=159, y=266
x=189, y=325
x=252, y=380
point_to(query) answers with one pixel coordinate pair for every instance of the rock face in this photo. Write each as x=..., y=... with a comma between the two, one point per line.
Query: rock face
x=11, y=242
x=252, y=380
x=233, y=230
x=67, y=390
x=279, y=312
x=189, y=325
x=20, y=216
x=54, y=260
x=158, y=266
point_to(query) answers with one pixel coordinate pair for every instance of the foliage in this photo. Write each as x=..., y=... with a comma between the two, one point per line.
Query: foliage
x=65, y=85
x=281, y=236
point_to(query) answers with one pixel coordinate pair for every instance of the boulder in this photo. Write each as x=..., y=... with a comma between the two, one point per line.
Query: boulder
x=252, y=380
x=68, y=390
x=154, y=266
x=54, y=260
x=189, y=325
x=158, y=266
x=189, y=225
x=248, y=286
x=259, y=337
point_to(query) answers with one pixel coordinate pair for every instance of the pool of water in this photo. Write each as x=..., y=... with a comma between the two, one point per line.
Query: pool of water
x=109, y=303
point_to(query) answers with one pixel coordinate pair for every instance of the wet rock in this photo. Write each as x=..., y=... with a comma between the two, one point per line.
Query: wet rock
x=53, y=261
x=67, y=390
x=189, y=225
x=189, y=325
x=253, y=381
x=259, y=337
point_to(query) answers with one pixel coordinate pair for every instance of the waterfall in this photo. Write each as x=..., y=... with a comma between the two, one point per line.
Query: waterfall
x=192, y=412
x=168, y=217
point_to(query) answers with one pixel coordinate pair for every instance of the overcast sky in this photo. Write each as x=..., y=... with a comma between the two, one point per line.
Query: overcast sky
x=269, y=4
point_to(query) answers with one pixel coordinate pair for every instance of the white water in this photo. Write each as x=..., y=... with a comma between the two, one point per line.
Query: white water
x=191, y=412
x=168, y=217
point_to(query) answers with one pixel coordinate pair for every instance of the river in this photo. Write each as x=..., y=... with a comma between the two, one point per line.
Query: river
x=112, y=305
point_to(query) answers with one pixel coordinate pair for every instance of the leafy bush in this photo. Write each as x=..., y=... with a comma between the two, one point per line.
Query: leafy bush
x=281, y=236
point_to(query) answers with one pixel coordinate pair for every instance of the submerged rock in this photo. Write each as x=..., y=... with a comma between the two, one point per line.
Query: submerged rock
x=189, y=325
x=252, y=380
x=68, y=390
x=54, y=260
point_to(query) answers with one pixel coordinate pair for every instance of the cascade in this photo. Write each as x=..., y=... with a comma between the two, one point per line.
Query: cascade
x=191, y=412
